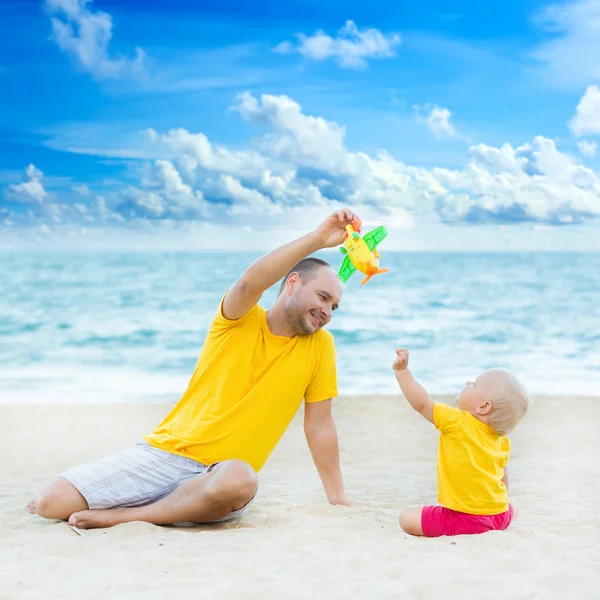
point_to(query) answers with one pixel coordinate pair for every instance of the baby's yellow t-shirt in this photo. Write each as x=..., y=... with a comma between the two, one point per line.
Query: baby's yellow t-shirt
x=246, y=388
x=470, y=463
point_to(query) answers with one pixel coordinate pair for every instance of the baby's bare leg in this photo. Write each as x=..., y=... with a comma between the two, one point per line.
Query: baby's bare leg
x=410, y=520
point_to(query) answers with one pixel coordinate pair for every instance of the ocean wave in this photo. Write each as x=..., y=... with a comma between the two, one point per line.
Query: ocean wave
x=112, y=326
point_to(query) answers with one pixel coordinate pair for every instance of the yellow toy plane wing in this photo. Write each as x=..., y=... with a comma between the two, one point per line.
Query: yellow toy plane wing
x=373, y=238
x=346, y=269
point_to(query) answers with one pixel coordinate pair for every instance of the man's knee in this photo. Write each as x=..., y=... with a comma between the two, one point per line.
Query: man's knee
x=60, y=500
x=236, y=480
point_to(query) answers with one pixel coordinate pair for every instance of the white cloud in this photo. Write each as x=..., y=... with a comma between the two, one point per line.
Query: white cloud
x=86, y=35
x=301, y=166
x=437, y=120
x=193, y=151
x=163, y=194
x=533, y=182
x=82, y=190
x=587, y=148
x=306, y=140
x=304, y=162
x=246, y=200
x=54, y=212
x=140, y=203
x=587, y=117
x=571, y=56
x=253, y=181
x=103, y=214
x=351, y=47
x=31, y=188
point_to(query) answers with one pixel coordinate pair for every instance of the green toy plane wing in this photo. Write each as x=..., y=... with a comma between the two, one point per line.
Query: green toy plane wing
x=373, y=238
x=346, y=269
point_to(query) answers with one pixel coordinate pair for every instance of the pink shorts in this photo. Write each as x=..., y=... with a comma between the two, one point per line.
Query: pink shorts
x=437, y=521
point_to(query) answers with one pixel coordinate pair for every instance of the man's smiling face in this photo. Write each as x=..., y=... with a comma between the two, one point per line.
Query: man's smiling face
x=310, y=305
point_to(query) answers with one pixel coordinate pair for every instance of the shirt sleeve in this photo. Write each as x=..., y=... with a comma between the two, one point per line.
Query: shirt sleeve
x=445, y=418
x=323, y=385
x=506, y=448
x=221, y=323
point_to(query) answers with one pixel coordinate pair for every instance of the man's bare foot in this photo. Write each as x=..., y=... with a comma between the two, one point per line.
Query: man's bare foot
x=31, y=507
x=91, y=519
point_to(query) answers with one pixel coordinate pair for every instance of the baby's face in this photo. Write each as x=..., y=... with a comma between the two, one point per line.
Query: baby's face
x=475, y=393
x=470, y=396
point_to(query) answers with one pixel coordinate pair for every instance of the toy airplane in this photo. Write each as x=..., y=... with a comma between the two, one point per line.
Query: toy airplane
x=361, y=253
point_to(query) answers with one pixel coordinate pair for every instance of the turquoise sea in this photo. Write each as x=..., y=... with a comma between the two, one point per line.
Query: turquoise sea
x=118, y=327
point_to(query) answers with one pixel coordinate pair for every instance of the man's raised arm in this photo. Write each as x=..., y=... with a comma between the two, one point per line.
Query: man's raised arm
x=272, y=267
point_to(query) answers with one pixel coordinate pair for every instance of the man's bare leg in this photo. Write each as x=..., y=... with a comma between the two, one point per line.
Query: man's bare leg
x=59, y=500
x=200, y=499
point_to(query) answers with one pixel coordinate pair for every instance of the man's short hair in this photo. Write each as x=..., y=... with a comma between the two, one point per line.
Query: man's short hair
x=306, y=269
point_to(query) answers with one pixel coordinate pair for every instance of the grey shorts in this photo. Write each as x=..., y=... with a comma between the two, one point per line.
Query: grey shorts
x=135, y=477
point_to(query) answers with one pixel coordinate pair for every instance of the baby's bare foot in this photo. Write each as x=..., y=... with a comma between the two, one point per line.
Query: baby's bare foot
x=31, y=507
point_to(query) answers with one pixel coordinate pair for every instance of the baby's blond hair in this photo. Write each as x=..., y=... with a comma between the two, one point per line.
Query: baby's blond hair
x=509, y=403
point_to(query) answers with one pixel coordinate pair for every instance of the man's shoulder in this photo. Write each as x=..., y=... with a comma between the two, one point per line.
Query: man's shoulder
x=325, y=333
x=221, y=322
x=323, y=346
x=324, y=338
x=320, y=343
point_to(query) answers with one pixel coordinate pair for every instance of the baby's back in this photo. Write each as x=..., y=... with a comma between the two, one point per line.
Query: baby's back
x=471, y=462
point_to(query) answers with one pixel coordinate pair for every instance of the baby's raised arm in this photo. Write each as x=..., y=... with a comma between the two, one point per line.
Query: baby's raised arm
x=413, y=391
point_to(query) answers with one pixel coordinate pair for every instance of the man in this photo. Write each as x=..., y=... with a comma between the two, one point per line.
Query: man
x=200, y=464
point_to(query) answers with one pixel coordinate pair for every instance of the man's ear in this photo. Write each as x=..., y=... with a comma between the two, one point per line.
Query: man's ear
x=293, y=281
x=484, y=408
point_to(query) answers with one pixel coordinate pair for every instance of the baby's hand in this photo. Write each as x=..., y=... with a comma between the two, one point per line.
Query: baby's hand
x=401, y=361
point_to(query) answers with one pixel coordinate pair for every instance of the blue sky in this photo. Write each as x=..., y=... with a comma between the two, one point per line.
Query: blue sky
x=460, y=125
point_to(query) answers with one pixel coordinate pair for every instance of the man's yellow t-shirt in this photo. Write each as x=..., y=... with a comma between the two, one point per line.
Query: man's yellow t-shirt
x=245, y=390
x=470, y=463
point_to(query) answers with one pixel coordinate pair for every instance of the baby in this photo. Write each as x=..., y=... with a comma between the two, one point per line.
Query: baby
x=473, y=451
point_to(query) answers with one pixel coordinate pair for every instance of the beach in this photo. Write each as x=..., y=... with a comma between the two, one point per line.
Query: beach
x=292, y=544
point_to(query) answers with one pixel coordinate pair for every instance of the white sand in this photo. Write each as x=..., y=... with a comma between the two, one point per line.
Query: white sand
x=292, y=544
